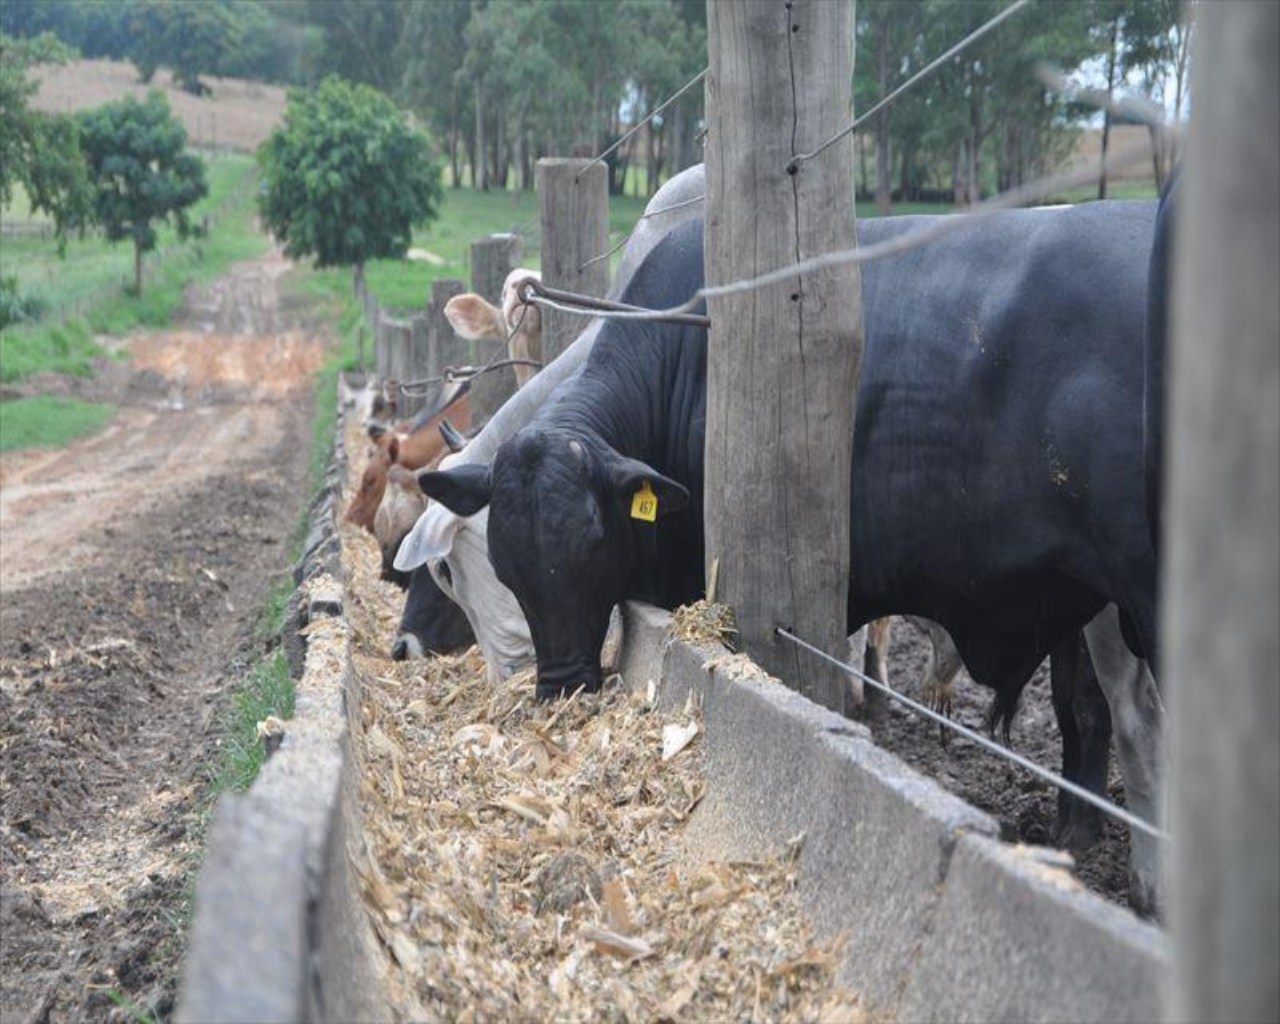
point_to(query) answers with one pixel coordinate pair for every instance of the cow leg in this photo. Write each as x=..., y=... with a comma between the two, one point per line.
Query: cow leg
x=1085, y=725
x=857, y=656
x=875, y=663
x=1137, y=715
x=941, y=669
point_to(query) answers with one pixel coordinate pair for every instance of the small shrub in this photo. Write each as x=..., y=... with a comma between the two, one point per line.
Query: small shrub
x=16, y=308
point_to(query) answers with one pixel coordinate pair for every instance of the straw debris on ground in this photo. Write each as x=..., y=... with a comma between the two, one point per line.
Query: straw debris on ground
x=524, y=860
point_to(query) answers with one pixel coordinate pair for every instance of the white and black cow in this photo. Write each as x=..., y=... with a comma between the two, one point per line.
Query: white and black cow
x=431, y=623
x=999, y=412
x=456, y=548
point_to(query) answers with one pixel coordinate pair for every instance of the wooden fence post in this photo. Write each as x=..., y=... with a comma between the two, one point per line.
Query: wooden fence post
x=381, y=362
x=404, y=342
x=419, y=363
x=1221, y=574
x=492, y=259
x=573, y=204
x=783, y=361
x=446, y=348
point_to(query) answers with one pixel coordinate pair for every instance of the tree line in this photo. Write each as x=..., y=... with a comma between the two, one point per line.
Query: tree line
x=499, y=83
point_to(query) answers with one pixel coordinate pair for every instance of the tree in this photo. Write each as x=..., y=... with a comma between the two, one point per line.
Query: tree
x=40, y=151
x=1157, y=42
x=191, y=39
x=137, y=159
x=345, y=178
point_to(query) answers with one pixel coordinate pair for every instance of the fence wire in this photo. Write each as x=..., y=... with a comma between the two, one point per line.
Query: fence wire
x=942, y=225
x=928, y=69
x=1105, y=806
x=645, y=120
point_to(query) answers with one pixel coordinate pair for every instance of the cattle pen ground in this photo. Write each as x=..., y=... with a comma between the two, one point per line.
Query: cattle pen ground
x=134, y=567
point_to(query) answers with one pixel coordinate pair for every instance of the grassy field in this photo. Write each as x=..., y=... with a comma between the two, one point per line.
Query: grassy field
x=236, y=114
x=465, y=217
x=84, y=292
x=49, y=422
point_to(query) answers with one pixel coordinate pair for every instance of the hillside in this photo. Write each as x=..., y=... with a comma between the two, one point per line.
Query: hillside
x=238, y=115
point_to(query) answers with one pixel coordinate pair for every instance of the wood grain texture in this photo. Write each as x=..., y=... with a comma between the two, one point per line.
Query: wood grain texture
x=573, y=203
x=783, y=361
x=492, y=259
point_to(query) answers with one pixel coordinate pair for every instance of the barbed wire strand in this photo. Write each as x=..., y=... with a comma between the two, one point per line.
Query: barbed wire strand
x=928, y=69
x=988, y=744
x=941, y=225
x=647, y=118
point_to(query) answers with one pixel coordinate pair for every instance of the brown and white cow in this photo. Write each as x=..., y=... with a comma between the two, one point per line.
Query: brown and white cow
x=420, y=448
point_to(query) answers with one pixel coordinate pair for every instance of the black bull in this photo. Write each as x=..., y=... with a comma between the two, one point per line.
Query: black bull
x=998, y=463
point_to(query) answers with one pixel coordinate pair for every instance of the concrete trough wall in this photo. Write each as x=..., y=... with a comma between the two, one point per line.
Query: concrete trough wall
x=942, y=921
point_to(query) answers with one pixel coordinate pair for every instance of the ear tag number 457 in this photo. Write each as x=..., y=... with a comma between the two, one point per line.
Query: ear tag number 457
x=644, y=504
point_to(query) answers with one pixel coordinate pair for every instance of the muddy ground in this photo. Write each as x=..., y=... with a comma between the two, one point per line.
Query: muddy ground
x=1025, y=807
x=133, y=567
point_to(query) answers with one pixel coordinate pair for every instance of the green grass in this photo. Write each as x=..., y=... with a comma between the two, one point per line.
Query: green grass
x=86, y=295
x=47, y=348
x=46, y=422
x=268, y=690
x=1115, y=190
x=465, y=217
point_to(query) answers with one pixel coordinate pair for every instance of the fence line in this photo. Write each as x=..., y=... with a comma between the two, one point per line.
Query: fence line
x=988, y=744
x=943, y=225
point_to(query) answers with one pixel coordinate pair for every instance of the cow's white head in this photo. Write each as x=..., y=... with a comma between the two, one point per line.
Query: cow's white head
x=456, y=551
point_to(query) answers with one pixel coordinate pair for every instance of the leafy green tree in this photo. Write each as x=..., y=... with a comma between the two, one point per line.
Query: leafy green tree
x=345, y=178
x=40, y=151
x=142, y=173
x=192, y=39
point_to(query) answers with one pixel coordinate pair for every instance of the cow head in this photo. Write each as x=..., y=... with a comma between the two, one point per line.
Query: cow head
x=570, y=523
x=431, y=622
x=456, y=552
x=402, y=503
x=373, y=484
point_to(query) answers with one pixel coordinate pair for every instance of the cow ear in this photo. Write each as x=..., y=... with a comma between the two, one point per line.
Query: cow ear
x=464, y=489
x=630, y=478
x=431, y=537
x=472, y=317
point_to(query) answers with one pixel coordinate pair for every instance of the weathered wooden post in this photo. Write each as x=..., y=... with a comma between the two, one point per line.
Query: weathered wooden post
x=408, y=403
x=492, y=259
x=444, y=347
x=573, y=205
x=420, y=349
x=381, y=349
x=1221, y=575
x=397, y=333
x=783, y=361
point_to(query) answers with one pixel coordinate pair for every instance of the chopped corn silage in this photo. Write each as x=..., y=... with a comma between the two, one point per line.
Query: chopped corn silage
x=524, y=860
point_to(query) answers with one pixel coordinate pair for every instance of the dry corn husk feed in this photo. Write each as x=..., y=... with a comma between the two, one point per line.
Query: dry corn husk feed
x=524, y=860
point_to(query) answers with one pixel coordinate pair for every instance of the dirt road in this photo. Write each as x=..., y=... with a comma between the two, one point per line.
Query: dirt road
x=132, y=568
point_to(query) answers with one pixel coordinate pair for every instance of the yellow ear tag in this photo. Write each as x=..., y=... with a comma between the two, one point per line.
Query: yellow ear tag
x=644, y=504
